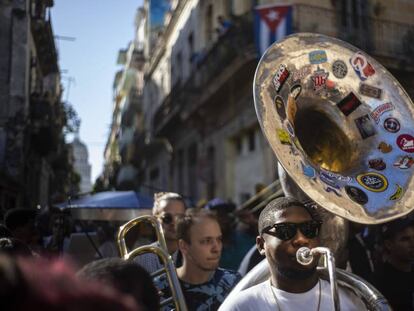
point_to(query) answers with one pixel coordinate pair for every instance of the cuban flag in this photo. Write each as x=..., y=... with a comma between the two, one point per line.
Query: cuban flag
x=271, y=24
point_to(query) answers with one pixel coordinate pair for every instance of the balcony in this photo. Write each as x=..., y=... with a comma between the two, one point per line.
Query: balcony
x=45, y=45
x=211, y=69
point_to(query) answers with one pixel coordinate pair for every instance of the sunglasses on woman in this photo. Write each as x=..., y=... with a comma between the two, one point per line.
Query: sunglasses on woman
x=168, y=218
x=287, y=230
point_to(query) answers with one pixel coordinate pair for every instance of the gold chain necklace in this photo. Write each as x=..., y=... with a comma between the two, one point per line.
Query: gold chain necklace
x=277, y=302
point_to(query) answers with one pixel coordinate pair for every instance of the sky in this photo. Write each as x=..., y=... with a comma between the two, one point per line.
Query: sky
x=88, y=64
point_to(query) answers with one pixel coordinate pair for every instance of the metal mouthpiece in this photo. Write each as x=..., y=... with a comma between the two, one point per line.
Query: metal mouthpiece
x=304, y=256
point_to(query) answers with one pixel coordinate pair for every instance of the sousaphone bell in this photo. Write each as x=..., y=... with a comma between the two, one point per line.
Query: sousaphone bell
x=340, y=125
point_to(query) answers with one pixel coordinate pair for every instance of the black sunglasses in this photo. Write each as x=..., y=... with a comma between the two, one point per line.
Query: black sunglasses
x=168, y=218
x=287, y=230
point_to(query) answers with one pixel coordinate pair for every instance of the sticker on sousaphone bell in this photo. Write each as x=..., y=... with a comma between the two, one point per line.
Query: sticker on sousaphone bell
x=373, y=181
x=280, y=77
x=356, y=195
x=397, y=194
x=280, y=107
x=392, y=125
x=339, y=69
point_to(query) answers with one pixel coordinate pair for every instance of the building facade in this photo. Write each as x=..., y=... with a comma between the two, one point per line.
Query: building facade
x=202, y=135
x=81, y=165
x=32, y=116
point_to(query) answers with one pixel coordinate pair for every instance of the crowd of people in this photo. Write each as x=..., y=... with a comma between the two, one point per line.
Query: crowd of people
x=212, y=245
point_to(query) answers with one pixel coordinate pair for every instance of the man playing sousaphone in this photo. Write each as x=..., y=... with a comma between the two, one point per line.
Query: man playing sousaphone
x=286, y=225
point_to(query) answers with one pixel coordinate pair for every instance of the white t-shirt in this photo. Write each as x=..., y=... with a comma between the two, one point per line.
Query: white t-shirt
x=260, y=297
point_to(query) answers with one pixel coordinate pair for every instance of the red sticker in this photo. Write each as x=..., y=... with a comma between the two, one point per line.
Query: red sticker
x=406, y=142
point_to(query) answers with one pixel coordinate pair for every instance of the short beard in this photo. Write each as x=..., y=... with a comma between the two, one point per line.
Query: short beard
x=296, y=274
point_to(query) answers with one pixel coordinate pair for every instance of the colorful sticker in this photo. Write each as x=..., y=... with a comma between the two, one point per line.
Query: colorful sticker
x=361, y=66
x=384, y=147
x=406, y=142
x=302, y=73
x=404, y=162
x=357, y=195
x=319, y=79
x=370, y=91
x=337, y=177
x=280, y=107
x=280, y=77
x=339, y=69
x=308, y=170
x=349, y=104
x=377, y=112
x=392, y=125
x=318, y=57
x=377, y=164
x=365, y=126
x=329, y=180
x=283, y=137
x=295, y=91
x=373, y=181
x=397, y=194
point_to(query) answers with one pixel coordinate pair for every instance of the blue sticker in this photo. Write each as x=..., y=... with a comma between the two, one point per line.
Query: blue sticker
x=318, y=57
x=308, y=170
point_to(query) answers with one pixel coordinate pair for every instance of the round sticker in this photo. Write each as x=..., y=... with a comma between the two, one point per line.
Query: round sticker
x=392, y=125
x=357, y=195
x=373, y=181
x=339, y=69
x=406, y=142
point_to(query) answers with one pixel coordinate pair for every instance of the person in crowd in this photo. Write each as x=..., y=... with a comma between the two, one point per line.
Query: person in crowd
x=360, y=258
x=395, y=279
x=204, y=284
x=22, y=224
x=285, y=225
x=27, y=284
x=14, y=247
x=168, y=207
x=223, y=25
x=107, y=247
x=58, y=241
x=125, y=276
x=4, y=232
x=236, y=243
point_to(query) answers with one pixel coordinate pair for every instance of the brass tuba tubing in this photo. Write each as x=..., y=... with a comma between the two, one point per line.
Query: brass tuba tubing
x=161, y=251
x=305, y=256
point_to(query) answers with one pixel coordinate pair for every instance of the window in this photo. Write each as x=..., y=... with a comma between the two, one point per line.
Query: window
x=209, y=23
x=191, y=47
x=180, y=170
x=238, y=144
x=211, y=185
x=154, y=174
x=192, y=170
x=252, y=140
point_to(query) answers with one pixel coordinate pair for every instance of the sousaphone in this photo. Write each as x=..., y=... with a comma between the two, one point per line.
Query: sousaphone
x=340, y=125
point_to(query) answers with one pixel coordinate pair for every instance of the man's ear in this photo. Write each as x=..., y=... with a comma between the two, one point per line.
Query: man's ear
x=260, y=245
x=182, y=246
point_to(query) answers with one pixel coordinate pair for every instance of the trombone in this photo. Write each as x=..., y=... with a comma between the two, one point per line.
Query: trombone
x=161, y=251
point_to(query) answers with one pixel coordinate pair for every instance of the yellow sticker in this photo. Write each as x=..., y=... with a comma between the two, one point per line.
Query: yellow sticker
x=283, y=137
x=373, y=181
x=397, y=194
